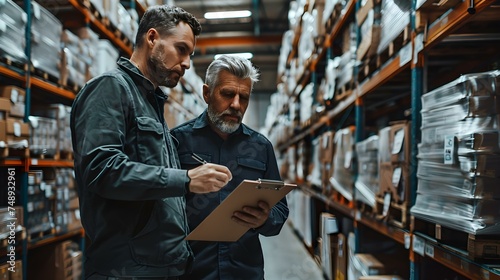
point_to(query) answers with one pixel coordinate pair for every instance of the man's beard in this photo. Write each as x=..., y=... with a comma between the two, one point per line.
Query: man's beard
x=219, y=123
x=162, y=73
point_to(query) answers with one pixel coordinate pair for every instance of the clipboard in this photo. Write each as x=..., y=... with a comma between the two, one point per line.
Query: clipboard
x=218, y=226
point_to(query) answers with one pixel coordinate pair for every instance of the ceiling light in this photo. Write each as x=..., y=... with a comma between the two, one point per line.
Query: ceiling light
x=246, y=55
x=228, y=14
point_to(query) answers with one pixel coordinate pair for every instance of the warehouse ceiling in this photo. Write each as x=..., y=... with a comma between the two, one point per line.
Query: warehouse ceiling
x=259, y=34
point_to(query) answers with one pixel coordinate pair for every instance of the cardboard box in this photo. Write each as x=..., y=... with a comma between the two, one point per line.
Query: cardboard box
x=3, y=134
x=394, y=179
x=17, y=128
x=4, y=108
x=17, y=97
x=399, y=141
x=341, y=260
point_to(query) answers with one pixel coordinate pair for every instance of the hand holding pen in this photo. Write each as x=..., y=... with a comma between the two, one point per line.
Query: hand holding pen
x=208, y=177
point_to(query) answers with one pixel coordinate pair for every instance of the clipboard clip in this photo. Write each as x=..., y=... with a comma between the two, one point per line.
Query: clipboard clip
x=269, y=184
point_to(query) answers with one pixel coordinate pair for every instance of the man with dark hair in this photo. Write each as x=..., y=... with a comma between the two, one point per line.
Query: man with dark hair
x=219, y=136
x=130, y=184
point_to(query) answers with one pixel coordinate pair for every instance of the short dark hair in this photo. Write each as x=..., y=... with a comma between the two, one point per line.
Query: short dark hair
x=164, y=18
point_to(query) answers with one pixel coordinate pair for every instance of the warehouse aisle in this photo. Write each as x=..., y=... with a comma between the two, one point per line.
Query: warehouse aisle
x=286, y=258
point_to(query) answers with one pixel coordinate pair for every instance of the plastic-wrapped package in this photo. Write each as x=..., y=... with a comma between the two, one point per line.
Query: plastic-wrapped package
x=395, y=18
x=476, y=216
x=443, y=179
x=477, y=84
x=343, y=174
x=473, y=135
x=45, y=42
x=12, y=31
x=459, y=155
x=367, y=183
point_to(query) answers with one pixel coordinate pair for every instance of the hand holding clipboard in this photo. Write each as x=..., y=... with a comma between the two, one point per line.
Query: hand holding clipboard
x=219, y=226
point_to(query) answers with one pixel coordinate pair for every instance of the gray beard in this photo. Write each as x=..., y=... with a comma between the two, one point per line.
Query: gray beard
x=217, y=121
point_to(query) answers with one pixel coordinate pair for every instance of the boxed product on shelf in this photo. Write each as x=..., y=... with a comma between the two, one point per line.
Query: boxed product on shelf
x=106, y=57
x=329, y=245
x=57, y=261
x=458, y=163
x=342, y=179
x=361, y=264
x=13, y=21
x=17, y=97
x=75, y=61
x=314, y=176
x=17, y=131
x=45, y=42
x=4, y=112
x=370, y=30
x=395, y=19
x=89, y=41
x=44, y=136
x=367, y=181
x=61, y=115
x=39, y=223
x=326, y=153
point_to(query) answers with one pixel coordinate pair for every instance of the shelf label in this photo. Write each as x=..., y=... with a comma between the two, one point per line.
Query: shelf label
x=405, y=55
x=387, y=203
x=419, y=46
x=449, y=149
x=407, y=239
x=429, y=250
x=396, y=176
x=34, y=161
x=419, y=245
x=485, y=274
x=399, y=138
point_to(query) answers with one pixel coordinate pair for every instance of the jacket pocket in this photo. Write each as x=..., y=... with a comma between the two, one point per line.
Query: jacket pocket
x=251, y=168
x=161, y=242
x=150, y=143
x=188, y=162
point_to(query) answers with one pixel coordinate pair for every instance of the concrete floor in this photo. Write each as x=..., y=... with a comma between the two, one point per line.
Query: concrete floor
x=286, y=258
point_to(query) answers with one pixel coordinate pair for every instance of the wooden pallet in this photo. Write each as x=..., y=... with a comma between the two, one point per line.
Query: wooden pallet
x=345, y=90
x=394, y=213
x=45, y=76
x=333, y=18
x=91, y=8
x=6, y=152
x=64, y=155
x=480, y=248
x=42, y=154
x=372, y=64
x=13, y=64
x=37, y=236
x=69, y=85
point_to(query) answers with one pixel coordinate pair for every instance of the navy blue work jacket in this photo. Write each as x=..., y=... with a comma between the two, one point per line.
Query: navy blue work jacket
x=248, y=155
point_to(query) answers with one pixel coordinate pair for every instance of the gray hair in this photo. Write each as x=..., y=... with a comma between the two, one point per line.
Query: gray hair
x=235, y=65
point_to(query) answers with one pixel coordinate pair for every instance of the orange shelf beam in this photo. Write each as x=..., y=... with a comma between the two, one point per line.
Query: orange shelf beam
x=108, y=33
x=457, y=17
x=51, y=163
x=12, y=74
x=41, y=84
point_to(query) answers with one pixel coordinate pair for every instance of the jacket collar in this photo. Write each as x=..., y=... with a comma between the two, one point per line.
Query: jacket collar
x=142, y=82
x=202, y=121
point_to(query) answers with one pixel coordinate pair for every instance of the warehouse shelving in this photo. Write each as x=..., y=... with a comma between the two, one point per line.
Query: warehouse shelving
x=42, y=90
x=412, y=72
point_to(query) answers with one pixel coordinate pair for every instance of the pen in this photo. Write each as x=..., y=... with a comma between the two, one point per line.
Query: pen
x=198, y=158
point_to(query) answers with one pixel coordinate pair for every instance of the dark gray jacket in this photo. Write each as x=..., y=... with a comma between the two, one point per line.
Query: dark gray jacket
x=130, y=188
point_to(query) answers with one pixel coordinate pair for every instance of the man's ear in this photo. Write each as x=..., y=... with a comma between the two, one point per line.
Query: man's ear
x=151, y=36
x=206, y=93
